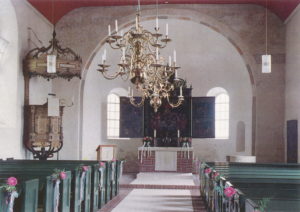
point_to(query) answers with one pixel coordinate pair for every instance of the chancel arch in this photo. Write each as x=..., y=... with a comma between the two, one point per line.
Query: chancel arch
x=205, y=64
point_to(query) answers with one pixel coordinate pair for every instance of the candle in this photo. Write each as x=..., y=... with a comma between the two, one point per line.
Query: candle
x=156, y=53
x=122, y=33
x=109, y=31
x=170, y=60
x=167, y=29
x=128, y=91
x=104, y=55
x=174, y=55
x=123, y=53
x=103, y=61
x=178, y=133
x=176, y=75
x=180, y=90
x=154, y=133
x=116, y=23
x=156, y=23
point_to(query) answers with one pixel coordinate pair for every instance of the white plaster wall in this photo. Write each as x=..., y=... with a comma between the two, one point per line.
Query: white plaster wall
x=207, y=59
x=15, y=17
x=292, y=100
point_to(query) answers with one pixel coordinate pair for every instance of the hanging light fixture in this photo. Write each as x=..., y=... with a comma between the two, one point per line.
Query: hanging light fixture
x=266, y=59
x=53, y=61
x=141, y=63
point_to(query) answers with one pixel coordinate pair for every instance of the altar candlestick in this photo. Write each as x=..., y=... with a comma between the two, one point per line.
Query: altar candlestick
x=178, y=133
x=154, y=134
x=180, y=90
x=156, y=53
x=170, y=60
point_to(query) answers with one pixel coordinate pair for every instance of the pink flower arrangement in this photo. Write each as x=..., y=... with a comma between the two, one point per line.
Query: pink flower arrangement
x=62, y=175
x=12, y=181
x=229, y=191
x=207, y=170
x=84, y=168
x=102, y=164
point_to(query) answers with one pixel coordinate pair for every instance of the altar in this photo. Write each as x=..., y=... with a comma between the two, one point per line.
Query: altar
x=173, y=159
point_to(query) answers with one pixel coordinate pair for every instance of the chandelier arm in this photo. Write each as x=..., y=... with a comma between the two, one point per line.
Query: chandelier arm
x=141, y=103
x=178, y=103
x=109, y=77
x=114, y=47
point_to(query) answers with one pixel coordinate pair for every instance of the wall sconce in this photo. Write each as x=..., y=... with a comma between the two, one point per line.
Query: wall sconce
x=3, y=46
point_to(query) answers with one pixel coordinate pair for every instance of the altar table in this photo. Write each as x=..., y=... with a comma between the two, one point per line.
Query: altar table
x=174, y=159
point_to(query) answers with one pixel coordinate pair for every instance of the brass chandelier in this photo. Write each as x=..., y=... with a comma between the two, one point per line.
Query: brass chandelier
x=140, y=62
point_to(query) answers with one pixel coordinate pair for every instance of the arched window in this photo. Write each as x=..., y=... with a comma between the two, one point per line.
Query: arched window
x=221, y=112
x=113, y=116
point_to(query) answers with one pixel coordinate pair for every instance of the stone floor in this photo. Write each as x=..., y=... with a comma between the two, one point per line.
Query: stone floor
x=157, y=192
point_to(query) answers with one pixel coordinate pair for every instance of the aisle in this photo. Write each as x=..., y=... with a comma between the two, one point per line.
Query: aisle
x=158, y=192
x=155, y=200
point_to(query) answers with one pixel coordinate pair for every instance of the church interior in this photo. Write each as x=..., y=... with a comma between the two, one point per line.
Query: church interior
x=149, y=105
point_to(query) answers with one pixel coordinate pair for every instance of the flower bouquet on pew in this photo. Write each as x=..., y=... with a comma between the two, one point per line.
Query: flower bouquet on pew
x=11, y=193
x=59, y=174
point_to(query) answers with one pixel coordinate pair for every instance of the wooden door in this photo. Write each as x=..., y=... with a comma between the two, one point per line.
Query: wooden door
x=292, y=141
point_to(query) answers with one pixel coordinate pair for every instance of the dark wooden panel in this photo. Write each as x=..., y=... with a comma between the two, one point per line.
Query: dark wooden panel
x=292, y=141
x=131, y=119
x=203, y=113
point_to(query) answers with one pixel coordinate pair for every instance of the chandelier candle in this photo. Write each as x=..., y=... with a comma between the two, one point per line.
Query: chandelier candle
x=116, y=23
x=167, y=29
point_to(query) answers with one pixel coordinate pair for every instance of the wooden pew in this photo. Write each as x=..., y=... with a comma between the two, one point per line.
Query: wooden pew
x=99, y=196
x=46, y=185
x=48, y=167
x=28, y=196
x=279, y=182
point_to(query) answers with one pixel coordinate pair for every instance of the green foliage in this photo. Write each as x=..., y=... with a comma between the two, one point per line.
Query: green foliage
x=263, y=203
x=8, y=188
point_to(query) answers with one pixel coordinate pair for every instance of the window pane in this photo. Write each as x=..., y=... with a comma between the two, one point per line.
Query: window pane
x=222, y=116
x=113, y=115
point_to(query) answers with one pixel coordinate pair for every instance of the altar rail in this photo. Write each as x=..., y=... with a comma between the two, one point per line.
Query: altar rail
x=277, y=185
x=78, y=192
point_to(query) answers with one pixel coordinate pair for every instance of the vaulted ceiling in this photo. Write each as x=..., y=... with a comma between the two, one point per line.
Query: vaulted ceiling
x=283, y=8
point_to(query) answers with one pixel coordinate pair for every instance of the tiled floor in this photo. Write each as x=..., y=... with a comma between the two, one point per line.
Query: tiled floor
x=157, y=192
